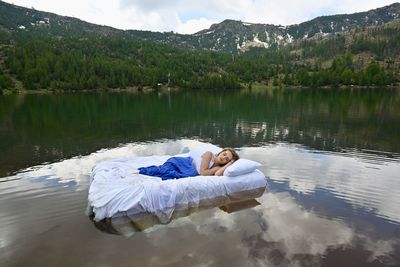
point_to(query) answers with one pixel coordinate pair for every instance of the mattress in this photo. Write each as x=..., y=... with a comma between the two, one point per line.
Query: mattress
x=115, y=190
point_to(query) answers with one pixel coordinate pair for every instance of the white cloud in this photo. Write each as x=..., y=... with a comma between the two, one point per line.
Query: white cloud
x=194, y=25
x=189, y=16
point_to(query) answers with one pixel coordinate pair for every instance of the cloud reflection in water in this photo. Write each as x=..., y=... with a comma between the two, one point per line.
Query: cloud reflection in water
x=364, y=180
x=277, y=233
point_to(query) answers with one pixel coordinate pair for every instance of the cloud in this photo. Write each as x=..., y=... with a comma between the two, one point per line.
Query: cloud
x=189, y=16
x=194, y=25
x=148, y=5
x=351, y=6
x=284, y=12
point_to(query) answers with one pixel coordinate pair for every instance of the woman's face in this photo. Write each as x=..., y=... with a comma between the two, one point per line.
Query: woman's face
x=224, y=157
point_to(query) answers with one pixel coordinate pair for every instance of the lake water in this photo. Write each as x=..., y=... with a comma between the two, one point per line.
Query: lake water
x=332, y=158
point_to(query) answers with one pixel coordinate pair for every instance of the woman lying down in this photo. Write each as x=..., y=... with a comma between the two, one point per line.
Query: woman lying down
x=180, y=167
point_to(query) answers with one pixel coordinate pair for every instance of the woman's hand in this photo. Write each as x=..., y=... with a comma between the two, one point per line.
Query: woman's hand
x=214, y=170
x=220, y=172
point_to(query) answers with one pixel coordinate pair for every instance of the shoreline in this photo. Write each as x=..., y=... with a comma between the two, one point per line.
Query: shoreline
x=134, y=90
x=256, y=87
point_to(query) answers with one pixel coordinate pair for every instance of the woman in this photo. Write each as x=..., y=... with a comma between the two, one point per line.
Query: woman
x=180, y=167
x=216, y=164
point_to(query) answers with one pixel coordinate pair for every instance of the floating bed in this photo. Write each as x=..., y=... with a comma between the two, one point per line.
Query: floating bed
x=116, y=191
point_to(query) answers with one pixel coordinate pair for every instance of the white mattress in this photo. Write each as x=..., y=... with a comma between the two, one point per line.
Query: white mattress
x=115, y=189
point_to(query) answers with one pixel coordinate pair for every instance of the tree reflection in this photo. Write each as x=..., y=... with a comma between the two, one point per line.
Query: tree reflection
x=38, y=128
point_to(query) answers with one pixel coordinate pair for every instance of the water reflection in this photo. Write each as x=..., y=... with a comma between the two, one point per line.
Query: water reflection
x=332, y=157
x=298, y=237
x=364, y=180
x=277, y=233
x=47, y=128
x=127, y=224
x=76, y=170
x=324, y=209
x=46, y=202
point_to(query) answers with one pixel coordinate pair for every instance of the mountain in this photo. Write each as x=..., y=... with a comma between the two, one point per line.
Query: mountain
x=18, y=20
x=232, y=36
x=228, y=36
x=41, y=50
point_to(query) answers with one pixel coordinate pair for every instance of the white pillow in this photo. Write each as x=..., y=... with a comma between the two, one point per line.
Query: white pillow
x=197, y=152
x=241, y=166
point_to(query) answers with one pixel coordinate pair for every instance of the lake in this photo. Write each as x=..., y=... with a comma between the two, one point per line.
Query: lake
x=332, y=158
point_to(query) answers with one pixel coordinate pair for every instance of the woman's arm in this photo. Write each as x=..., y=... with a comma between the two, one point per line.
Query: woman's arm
x=204, y=166
x=221, y=170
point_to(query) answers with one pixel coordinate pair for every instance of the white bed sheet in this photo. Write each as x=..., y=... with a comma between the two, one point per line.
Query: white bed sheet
x=114, y=188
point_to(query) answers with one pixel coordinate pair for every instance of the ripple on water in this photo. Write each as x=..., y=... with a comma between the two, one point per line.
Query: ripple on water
x=39, y=205
x=369, y=181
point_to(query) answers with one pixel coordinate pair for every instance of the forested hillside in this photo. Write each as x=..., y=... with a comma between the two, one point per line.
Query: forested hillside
x=40, y=59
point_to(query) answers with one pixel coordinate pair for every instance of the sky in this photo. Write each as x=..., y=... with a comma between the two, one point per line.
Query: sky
x=190, y=16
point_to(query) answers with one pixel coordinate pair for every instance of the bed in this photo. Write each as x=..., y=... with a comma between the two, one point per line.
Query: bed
x=115, y=191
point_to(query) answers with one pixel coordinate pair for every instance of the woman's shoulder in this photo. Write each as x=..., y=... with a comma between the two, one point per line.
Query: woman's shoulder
x=207, y=154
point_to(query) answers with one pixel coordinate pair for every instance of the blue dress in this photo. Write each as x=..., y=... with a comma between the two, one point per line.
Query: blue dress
x=173, y=168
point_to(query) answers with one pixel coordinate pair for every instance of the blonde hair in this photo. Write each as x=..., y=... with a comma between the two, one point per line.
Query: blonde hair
x=235, y=155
